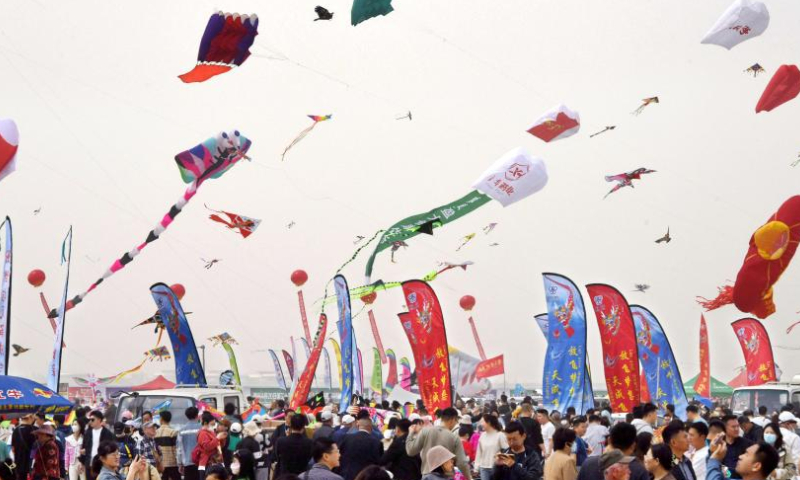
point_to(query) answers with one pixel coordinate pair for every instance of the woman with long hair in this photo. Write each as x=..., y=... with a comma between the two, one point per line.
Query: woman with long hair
x=72, y=450
x=658, y=461
x=243, y=465
x=491, y=442
x=787, y=464
x=106, y=463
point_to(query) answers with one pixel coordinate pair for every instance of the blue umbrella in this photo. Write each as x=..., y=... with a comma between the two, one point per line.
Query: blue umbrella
x=20, y=395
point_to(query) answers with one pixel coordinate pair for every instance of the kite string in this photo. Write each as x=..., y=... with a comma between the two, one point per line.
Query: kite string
x=352, y=258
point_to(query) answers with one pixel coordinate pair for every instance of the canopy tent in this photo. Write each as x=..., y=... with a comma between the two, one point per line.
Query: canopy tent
x=158, y=383
x=718, y=389
x=739, y=380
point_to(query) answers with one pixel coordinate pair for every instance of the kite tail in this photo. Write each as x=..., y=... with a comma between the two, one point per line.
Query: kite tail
x=725, y=297
x=127, y=258
x=791, y=327
x=297, y=139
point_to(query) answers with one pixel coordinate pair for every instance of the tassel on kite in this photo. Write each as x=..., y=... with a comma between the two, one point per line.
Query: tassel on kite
x=645, y=103
x=225, y=45
x=317, y=119
x=246, y=226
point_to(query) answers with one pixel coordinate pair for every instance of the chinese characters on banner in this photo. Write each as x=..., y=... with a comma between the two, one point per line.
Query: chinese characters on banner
x=702, y=386
x=620, y=356
x=565, y=372
x=490, y=367
x=278, y=370
x=287, y=357
x=662, y=376
x=300, y=394
x=188, y=370
x=757, y=350
x=514, y=176
x=424, y=327
x=345, y=327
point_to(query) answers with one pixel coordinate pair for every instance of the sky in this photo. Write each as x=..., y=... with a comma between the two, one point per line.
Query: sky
x=101, y=113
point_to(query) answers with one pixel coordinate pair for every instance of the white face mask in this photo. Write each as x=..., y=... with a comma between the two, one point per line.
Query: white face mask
x=235, y=467
x=76, y=428
x=259, y=438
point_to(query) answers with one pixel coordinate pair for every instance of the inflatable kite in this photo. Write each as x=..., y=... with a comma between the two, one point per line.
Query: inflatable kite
x=210, y=159
x=225, y=45
x=9, y=142
x=560, y=122
x=626, y=179
x=742, y=21
x=365, y=9
x=772, y=247
x=306, y=131
x=784, y=86
x=245, y=226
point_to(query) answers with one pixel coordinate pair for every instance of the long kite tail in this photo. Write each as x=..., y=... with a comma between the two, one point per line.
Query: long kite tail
x=725, y=297
x=297, y=139
x=128, y=257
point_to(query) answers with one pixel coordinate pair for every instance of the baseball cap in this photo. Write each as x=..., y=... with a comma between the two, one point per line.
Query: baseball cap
x=612, y=457
x=325, y=416
x=236, y=427
x=787, y=417
x=414, y=416
x=348, y=419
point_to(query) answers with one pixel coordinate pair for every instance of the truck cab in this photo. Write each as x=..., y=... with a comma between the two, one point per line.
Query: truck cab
x=772, y=395
x=177, y=400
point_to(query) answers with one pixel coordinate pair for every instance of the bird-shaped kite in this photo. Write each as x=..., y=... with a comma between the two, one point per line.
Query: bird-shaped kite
x=645, y=103
x=626, y=179
x=210, y=263
x=755, y=69
x=488, y=228
x=323, y=13
x=666, y=238
x=449, y=266
x=18, y=350
x=290, y=225
x=465, y=241
x=358, y=239
x=641, y=287
x=495, y=244
x=246, y=226
x=396, y=246
x=607, y=129
x=37, y=211
x=317, y=119
x=407, y=115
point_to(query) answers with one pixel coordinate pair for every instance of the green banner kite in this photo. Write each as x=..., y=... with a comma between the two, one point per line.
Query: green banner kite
x=377, y=375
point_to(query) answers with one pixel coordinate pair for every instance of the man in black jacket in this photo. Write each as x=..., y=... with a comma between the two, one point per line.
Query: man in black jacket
x=396, y=460
x=676, y=437
x=95, y=434
x=622, y=437
x=22, y=441
x=360, y=450
x=533, y=431
x=519, y=461
x=293, y=452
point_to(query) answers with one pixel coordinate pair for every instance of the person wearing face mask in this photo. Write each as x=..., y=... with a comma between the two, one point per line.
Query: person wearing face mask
x=560, y=465
x=207, y=450
x=787, y=465
x=73, y=451
x=243, y=465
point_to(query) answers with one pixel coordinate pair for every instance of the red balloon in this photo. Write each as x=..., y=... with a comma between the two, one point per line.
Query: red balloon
x=36, y=278
x=299, y=277
x=179, y=290
x=467, y=302
x=369, y=298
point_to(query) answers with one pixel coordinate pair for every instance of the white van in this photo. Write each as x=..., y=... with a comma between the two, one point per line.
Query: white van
x=772, y=395
x=177, y=400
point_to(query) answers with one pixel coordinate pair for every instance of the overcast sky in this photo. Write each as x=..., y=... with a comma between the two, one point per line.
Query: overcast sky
x=93, y=88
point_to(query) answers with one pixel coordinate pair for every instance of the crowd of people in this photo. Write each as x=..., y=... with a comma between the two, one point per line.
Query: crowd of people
x=486, y=441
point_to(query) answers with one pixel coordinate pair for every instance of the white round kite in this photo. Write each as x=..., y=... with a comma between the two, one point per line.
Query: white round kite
x=743, y=20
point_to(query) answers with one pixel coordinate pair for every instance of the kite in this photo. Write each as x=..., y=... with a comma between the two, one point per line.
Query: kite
x=465, y=240
x=488, y=228
x=358, y=239
x=407, y=115
x=396, y=246
x=18, y=350
x=559, y=122
x=772, y=247
x=645, y=103
x=290, y=225
x=9, y=143
x=37, y=211
x=323, y=13
x=365, y=9
x=796, y=162
x=245, y=225
x=161, y=354
x=784, y=86
x=755, y=69
x=208, y=160
x=607, y=129
x=495, y=244
x=225, y=45
x=222, y=339
x=666, y=238
x=743, y=20
x=210, y=263
x=626, y=179
x=641, y=287
x=317, y=119
x=450, y=266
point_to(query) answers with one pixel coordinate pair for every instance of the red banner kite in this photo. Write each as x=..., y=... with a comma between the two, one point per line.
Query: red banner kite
x=300, y=394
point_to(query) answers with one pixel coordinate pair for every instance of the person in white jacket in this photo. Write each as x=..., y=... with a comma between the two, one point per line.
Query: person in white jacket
x=791, y=442
x=698, y=432
x=645, y=419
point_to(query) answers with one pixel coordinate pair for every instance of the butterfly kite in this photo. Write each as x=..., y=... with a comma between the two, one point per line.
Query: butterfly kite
x=225, y=45
x=223, y=339
x=246, y=226
x=317, y=119
x=9, y=143
x=626, y=179
x=755, y=69
x=645, y=103
x=208, y=160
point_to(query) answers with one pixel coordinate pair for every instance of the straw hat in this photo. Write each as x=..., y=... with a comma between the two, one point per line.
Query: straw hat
x=438, y=456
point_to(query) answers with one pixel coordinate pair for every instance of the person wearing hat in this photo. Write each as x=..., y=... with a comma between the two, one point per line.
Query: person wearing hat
x=440, y=461
x=22, y=440
x=421, y=440
x=616, y=465
x=148, y=448
x=791, y=442
x=325, y=430
x=46, y=460
x=348, y=421
x=234, y=438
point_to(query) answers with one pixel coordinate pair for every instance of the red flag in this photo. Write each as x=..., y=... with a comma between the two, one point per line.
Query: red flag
x=757, y=350
x=424, y=327
x=300, y=394
x=702, y=386
x=289, y=364
x=491, y=367
x=620, y=352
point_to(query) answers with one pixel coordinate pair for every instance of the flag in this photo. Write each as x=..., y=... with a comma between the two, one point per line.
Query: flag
x=278, y=370
x=391, y=377
x=377, y=375
x=514, y=176
x=300, y=394
x=5, y=298
x=663, y=377
x=464, y=368
x=618, y=336
x=287, y=357
x=491, y=367
x=54, y=369
x=565, y=374
x=757, y=351
x=359, y=368
x=232, y=361
x=345, y=326
x=703, y=383
x=188, y=370
x=326, y=374
x=316, y=401
x=424, y=327
x=338, y=353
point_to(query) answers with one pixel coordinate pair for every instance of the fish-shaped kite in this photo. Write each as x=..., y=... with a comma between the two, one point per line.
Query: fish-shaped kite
x=246, y=226
x=225, y=45
x=626, y=179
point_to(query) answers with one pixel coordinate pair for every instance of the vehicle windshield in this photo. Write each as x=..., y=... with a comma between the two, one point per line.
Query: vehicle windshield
x=751, y=399
x=156, y=403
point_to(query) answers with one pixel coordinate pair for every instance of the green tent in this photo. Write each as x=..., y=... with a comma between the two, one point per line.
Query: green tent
x=718, y=389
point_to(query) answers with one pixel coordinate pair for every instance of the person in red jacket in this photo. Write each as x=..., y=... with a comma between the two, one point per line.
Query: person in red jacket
x=207, y=452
